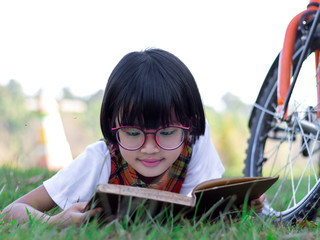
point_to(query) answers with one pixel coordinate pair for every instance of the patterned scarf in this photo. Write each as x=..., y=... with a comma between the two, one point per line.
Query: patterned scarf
x=123, y=174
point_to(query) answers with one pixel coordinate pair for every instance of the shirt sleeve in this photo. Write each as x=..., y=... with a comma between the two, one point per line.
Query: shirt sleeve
x=205, y=163
x=77, y=181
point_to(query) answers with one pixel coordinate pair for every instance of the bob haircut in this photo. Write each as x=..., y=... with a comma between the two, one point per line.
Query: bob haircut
x=149, y=89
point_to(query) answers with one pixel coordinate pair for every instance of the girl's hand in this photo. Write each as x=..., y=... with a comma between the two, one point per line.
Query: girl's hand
x=257, y=204
x=76, y=214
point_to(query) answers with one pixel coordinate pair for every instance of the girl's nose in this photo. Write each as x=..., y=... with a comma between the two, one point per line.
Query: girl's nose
x=150, y=145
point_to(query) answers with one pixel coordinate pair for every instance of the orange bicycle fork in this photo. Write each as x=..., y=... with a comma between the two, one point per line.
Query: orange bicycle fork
x=285, y=63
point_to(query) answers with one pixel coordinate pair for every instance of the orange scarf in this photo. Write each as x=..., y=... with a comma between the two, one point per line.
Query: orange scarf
x=123, y=174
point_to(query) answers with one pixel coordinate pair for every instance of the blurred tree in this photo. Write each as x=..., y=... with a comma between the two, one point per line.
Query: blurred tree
x=67, y=94
x=233, y=104
x=14, y=119
x=230, y=132
x=12, y=107
x=92, y=115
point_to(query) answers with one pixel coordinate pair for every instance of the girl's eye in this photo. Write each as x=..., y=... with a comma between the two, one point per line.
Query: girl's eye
x=167, y=132
x=133, y=132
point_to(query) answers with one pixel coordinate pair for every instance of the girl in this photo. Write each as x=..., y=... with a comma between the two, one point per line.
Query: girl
x=155, y=136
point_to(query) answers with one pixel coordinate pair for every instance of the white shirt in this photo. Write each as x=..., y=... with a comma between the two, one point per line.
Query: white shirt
x=77, y=181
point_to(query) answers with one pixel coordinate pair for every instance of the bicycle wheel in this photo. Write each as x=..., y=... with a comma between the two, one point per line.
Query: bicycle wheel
x=289, y=149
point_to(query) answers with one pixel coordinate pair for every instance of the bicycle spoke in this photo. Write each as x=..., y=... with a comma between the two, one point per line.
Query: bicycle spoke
x=292, y=180
x=263, y=109
x=307, y=147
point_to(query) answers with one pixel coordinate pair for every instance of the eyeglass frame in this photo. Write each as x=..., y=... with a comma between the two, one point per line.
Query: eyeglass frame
x=154, y=133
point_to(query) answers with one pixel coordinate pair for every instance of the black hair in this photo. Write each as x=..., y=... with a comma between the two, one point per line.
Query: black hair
x=149, y=89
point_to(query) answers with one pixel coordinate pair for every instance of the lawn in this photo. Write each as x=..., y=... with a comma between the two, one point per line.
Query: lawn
x=16, y=182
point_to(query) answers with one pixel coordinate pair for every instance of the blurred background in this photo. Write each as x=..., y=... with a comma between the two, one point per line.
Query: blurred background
x=31, y=130
x=67, y=49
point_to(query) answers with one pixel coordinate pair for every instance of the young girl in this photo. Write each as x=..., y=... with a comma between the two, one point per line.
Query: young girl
x=155, y=136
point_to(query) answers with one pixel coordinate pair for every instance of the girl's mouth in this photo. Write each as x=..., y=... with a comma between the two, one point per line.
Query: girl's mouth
x=150, y=162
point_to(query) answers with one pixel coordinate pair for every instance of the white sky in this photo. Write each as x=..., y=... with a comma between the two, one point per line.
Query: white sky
x=228, y=45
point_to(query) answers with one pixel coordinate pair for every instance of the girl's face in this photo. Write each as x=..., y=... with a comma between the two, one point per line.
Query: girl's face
x=150, y=160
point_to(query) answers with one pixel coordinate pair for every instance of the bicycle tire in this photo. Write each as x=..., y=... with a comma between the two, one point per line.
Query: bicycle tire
x=268, y=133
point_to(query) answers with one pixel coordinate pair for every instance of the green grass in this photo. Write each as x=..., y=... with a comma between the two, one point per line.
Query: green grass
x=16, y=182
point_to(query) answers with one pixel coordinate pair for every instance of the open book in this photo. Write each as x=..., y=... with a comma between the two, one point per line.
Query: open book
x=209, y=198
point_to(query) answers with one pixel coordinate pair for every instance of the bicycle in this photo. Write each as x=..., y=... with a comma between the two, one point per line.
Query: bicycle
x=285, y=124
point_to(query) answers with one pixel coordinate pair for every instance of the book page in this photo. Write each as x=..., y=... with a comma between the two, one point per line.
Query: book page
x=148, y=193
x=229, y=181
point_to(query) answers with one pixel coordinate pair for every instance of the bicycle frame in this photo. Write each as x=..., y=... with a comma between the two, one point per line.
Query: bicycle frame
x=285, y=88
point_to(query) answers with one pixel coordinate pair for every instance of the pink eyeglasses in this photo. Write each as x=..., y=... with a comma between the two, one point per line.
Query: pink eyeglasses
x=132, y=138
